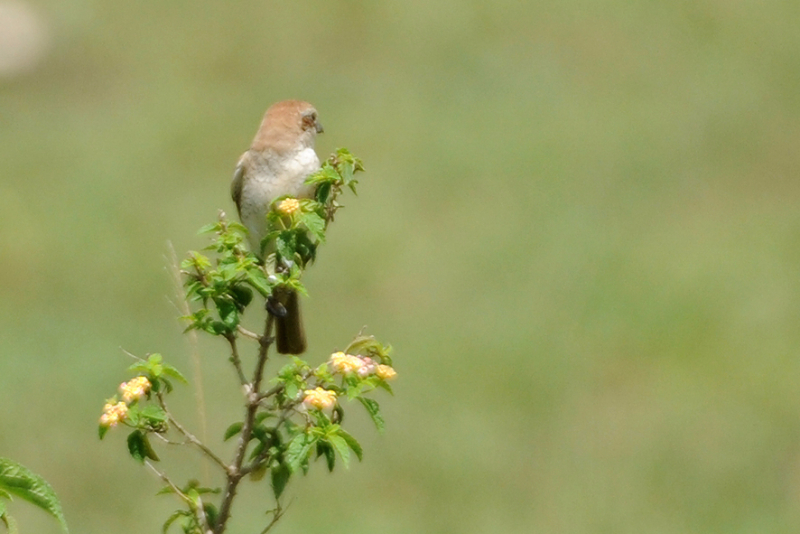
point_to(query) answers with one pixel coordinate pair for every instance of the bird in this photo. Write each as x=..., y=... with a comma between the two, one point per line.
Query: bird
x=277, y=163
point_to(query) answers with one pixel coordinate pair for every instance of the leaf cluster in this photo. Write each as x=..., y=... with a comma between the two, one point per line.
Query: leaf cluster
x=225, y=287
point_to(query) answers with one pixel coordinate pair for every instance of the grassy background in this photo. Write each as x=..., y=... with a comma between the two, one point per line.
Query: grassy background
x=579, y=228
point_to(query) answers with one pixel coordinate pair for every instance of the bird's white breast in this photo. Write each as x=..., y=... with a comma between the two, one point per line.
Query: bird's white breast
x=268, y=177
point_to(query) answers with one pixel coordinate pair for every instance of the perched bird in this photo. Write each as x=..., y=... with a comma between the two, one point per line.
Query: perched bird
x=279, y=160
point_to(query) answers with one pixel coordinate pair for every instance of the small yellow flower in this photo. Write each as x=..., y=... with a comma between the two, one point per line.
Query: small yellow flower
x=345, y=363
x=319, y=398
x=134, y=389
x=289, y=206
x=113, y=414
x=385, y=372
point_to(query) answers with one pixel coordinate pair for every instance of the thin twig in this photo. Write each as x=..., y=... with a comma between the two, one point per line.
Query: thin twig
x=132, y=355
x=168, y=481
x=271, y=392
x=266, y=341
x=247, y=333
x=235, y=360
x=169, y=441
x=188, y=435
x=277, y=514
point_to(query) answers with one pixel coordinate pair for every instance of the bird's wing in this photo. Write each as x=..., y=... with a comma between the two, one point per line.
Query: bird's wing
x=237, y=182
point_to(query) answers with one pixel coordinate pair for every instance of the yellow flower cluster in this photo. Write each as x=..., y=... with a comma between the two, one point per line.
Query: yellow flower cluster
x=345, y=363
x=385, y=372
x=113, y=414
x=116, y=412
x=134, y=389
x=289, y=206
x=361, y=365
x=319, y=398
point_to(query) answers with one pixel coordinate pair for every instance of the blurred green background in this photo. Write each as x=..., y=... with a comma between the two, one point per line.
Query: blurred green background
x=579, y=229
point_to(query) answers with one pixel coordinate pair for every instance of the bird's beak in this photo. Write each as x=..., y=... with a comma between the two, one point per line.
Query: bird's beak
x=318, y=126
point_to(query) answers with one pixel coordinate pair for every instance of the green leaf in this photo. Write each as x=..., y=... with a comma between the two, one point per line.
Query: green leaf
x=286, y=244
x=232, y=430
x=298, y=451
x=341, y=447
x=174, y=373
x=101, y=431
x=385, y=385
x=20, y=481
x=154, y=413
x=243, y=295
x=139, y=447
x=315, y=224
x=171, y=519
x=280, y=474
x=228, y=313
x=323, y=192
x=352, y=442
x=258, y=279
x=324, y=448
x=374, y=411
x=208, y=228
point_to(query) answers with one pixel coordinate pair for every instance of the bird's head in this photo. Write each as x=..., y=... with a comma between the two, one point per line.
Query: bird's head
x=288, y=125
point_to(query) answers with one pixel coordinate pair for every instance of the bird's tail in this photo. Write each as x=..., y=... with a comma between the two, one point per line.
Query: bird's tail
x=290, y=337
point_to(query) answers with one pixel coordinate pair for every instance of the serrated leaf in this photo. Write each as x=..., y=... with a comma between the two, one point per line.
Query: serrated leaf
x=279, y=474
x=298, y=451
x=228, y=313
x=174, y=373
x=374, y=411
x=347, y=168
x=315, y=224
x=27, y=485
x=232, y=430
x=285, y=244
x=341, y=447
x=352, y=442
x=259, y=281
